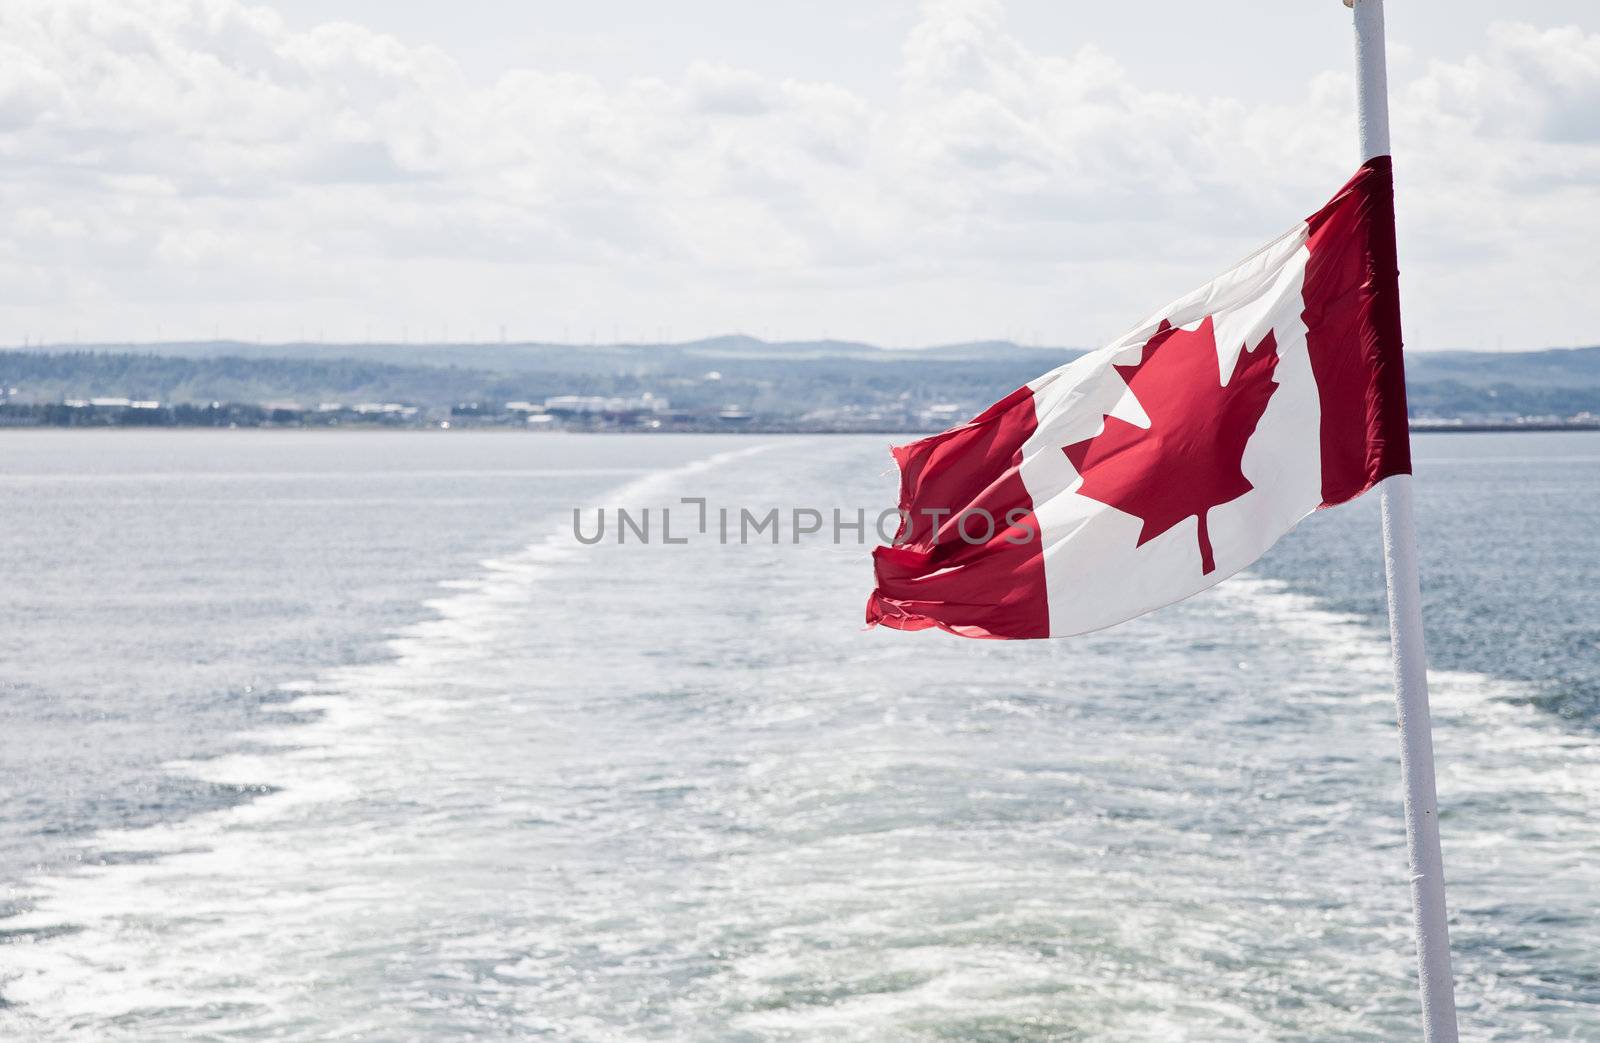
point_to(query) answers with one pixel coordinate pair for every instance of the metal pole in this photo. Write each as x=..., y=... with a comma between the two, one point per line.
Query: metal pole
x=1405, y=624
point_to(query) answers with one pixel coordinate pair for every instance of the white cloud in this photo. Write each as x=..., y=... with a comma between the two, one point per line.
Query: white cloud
x=194, y=164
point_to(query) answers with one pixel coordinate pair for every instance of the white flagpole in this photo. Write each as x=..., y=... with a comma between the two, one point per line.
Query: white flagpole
x=1405, y=624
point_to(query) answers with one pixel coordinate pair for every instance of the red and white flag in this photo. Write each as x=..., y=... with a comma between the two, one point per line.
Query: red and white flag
x=1153, y=468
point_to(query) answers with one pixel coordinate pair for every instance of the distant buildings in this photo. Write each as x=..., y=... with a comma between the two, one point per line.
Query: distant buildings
x=813, y=408
x=110, y=403
x=385, y=409
x=591, y=405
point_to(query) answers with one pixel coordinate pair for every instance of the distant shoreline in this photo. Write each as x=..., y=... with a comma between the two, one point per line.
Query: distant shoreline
x=723, y=384
x=1477, y=428
x=743, y=429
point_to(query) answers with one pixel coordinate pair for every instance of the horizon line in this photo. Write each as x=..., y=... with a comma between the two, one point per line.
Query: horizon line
x=1000, y=343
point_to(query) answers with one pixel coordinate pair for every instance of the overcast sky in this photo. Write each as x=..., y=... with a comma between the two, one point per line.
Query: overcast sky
x=903, y=173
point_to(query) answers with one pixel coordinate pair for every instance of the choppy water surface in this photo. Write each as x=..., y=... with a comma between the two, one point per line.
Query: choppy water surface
x=345, y=736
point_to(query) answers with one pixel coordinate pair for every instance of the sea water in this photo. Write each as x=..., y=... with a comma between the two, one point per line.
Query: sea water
x=345, y=735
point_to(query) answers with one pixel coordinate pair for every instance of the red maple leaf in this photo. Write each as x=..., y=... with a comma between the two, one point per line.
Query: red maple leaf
x=1188, y=460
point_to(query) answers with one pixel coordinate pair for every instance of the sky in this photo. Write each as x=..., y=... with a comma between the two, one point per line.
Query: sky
x=904, y=173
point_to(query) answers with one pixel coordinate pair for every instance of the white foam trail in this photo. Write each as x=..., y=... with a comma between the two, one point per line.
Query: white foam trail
x=1517, y=793
x=133, y=947
x=1491, y=723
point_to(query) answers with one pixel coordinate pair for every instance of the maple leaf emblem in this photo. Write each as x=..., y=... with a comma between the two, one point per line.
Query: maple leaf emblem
x=1189, y=459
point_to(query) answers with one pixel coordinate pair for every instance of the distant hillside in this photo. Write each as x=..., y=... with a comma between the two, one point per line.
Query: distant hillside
x=691, y=356
x=785, y=380
x=817, y=378
x=41, y=376
x=1555, y=368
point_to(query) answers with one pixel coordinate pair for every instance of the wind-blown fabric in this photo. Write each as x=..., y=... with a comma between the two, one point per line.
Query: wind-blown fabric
x=1153, y=468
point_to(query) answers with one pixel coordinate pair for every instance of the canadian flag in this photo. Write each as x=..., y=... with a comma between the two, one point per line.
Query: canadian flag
x=1159, y=465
